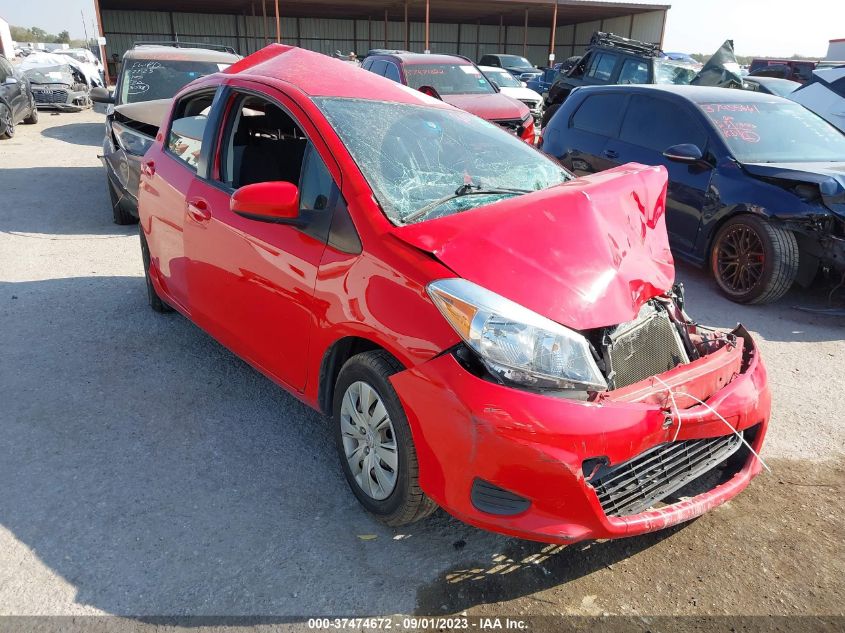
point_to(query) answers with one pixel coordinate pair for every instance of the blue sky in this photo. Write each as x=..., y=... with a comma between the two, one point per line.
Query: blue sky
x=758, y=27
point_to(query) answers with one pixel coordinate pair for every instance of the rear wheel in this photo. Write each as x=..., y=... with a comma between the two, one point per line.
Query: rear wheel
x=754, y=261
x=374, y=441
x=121, y=216
x=152, y=296
x=7, y=122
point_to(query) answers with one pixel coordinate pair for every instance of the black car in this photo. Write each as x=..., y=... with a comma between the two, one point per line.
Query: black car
x=756, y=182
x=16, y=101
x=517, y=66
x=611, y=59
x=151, y=74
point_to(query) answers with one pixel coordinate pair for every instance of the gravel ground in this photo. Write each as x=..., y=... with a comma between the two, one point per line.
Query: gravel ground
x=144, y=470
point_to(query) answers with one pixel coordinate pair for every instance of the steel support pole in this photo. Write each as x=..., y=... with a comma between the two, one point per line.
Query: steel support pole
x=554, y=35
x=278, y=25
x=427, y=10
x=525, y=36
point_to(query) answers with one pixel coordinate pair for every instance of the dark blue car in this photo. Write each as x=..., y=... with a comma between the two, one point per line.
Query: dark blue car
x=756, y=182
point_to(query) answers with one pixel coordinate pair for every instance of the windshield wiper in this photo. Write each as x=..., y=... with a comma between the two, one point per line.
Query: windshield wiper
x=467, y=189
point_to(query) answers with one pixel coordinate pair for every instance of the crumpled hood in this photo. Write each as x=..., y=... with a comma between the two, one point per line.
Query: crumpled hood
x=493, y=106
x=586, y=254
x=149, y=112
x=829, y=176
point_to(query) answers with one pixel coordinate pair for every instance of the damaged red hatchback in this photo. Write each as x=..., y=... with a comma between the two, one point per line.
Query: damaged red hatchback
x=488, y=334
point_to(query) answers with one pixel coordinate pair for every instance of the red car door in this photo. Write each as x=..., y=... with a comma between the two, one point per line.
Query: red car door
x=166, y=177
x=252, y=283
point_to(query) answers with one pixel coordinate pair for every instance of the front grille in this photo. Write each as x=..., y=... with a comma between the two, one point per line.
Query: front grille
x=53, y=96
x=635, y=485
x=647, y=346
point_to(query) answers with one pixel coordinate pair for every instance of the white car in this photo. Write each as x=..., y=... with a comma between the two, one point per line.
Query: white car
x=512, y=87
x=824, y=94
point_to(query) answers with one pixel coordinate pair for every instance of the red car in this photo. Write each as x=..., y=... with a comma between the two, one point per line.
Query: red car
x=488, y=334
x=457, y=81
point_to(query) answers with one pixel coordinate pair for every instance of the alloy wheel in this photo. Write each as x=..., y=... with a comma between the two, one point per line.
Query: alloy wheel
x=369, y=441
x=740, y=259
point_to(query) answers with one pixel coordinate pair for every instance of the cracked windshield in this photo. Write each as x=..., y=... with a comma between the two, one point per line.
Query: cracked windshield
x=425, y=162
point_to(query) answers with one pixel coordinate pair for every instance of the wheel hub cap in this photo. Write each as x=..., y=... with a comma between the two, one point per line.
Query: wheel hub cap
x=369, y=441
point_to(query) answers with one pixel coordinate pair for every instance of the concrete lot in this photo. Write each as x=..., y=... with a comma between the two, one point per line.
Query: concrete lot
x=145, y=470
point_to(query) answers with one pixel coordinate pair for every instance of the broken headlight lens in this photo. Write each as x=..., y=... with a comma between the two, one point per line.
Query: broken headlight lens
x=130, y=140
x=514, y=343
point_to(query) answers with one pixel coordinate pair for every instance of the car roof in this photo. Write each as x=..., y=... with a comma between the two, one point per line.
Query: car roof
x=430, y=58
x=319, y=75
x=154, y=51
x=695, y=94
x=771, y=80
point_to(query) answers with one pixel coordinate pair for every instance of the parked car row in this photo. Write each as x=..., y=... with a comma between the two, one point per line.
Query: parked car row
x=402, y=266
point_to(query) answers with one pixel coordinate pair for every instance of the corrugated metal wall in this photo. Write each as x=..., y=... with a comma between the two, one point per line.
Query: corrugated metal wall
x=246, y=34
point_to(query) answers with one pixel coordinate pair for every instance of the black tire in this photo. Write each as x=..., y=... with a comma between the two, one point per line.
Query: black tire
x=120, y=215
x=152, y=296
x=754, y=261
x=549, y=112
x=32, y=119
x=7, y=122
x=407, y=503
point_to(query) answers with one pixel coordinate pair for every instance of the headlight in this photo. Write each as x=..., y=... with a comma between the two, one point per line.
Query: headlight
x=514, y=343
x=131, y=140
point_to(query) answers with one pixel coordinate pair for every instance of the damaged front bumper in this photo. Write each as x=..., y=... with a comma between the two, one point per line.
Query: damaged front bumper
x=543, y=467
x=124, y=172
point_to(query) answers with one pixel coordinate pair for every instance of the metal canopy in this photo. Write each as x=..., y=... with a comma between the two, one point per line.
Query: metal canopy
x=511, y=12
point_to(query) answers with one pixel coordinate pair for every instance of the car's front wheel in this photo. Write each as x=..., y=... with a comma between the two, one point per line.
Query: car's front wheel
x=7, y=122
x=753, y=260
x=374, y=441
x=154, y=300
x=32, y=119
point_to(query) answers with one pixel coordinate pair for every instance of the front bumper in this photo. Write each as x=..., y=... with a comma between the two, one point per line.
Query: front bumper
x=534, y=445
x=124, y=172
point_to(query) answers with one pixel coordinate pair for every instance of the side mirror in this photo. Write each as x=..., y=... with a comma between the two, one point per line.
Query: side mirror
x=10, y=80
x=524, y=84
x=684, y=153
x=430, y=91
x=101, y=95
x=275, y=202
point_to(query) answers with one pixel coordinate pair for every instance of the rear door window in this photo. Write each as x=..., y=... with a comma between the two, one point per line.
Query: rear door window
x=602, y=67
x=600, y=114
x=659, y=124
x=392, y=72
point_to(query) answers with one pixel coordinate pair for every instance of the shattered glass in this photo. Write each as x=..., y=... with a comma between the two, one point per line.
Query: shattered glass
x=414, y=156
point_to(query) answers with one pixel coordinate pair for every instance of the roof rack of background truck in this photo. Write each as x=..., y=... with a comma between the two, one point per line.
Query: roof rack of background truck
x=609, y=40
x=175, y=44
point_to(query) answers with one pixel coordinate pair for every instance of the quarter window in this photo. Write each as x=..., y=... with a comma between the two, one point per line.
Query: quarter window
x=659, y=124
x=600, y=114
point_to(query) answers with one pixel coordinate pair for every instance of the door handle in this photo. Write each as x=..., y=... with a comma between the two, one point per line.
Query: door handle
x=198, y=210
x=148, y=168
x=609, y=153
